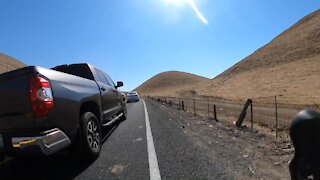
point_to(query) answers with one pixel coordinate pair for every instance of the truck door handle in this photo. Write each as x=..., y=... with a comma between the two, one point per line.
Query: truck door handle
x=103, y=89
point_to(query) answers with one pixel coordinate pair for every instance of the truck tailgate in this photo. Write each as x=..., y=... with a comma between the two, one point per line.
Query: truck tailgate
x=15, y=106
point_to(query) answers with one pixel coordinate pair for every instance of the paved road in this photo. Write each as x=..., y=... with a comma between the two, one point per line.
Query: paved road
x=130, y=151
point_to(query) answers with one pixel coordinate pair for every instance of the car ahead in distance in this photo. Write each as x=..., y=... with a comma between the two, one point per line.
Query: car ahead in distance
x=43, y=111
x=132, y=97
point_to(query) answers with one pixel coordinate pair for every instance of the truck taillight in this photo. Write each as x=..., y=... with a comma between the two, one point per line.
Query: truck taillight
x=40, y=96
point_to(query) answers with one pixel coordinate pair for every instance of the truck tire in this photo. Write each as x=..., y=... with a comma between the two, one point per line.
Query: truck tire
x=125, y=113
x=90, y=136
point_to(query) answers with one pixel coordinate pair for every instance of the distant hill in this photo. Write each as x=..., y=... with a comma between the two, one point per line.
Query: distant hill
x=8, y=63
x=172, y=83
x=289, y=66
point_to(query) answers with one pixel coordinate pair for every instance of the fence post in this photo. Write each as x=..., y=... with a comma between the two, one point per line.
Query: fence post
x=165, y=100
x=215, y=112
x=276, y=106
x=179, y=103
x=243, y=113
x=194, y=106
x=182, y=105
x=208, y=107
x=251, y=115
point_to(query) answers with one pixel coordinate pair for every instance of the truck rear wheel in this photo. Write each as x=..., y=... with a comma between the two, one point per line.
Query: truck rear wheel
x=90, y=136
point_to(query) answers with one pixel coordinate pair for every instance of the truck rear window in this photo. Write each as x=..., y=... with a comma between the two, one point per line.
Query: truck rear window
x=81, y=70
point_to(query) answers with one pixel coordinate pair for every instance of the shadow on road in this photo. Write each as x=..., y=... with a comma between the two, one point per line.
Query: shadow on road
x=55, y=167
x=58, y=166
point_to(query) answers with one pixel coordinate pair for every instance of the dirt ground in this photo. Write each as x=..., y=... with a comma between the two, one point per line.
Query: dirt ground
x=244, y=153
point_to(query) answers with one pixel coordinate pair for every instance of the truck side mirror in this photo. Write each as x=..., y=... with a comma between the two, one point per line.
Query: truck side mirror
x=119, y=84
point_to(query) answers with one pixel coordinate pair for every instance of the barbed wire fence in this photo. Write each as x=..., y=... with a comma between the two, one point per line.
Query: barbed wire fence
x=272, y=114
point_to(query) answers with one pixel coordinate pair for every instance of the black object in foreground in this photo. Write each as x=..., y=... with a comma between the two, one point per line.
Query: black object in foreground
x=305, y=135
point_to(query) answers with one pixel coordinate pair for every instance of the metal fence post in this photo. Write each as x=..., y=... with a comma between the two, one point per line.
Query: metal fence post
x=251, y=115
x=215, y=112
x=276, y=106
x=208, y=107
x=194, y=106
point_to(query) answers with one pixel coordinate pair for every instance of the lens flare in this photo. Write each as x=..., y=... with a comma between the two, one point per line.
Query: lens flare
x=192, y=5
x=175, y=2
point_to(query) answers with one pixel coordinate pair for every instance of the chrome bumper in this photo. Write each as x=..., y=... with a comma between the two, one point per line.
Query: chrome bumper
x=49, y=142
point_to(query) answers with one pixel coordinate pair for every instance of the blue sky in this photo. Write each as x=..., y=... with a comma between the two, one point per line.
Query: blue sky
x=132, y=40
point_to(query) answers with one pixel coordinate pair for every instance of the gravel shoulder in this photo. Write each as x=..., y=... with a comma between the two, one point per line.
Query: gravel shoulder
x=242, y=153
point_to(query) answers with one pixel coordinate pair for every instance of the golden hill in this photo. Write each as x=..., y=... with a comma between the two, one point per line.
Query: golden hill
x=172, y=83
x=288, y=66
x=8, y=63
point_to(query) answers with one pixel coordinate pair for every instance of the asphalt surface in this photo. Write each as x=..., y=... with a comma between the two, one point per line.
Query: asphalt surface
x=124, y=154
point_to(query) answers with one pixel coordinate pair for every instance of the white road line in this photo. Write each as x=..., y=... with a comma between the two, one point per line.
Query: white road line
x=152, y=156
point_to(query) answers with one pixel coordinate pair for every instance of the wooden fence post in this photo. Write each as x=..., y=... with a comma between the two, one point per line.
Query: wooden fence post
x=243, y=113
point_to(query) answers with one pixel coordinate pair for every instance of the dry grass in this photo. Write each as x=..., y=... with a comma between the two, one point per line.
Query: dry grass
x=8, y=63
x=295, y=81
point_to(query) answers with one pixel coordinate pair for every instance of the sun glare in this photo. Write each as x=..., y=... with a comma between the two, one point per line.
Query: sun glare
x=192, y=5
x=175, y=2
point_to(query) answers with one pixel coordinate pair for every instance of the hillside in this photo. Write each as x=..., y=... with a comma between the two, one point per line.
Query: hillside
x=172, y=83
x=8, y=63
x=289, y=66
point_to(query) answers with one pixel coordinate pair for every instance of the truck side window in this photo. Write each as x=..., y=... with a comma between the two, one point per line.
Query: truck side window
x=110, y=82
x=100, y=77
